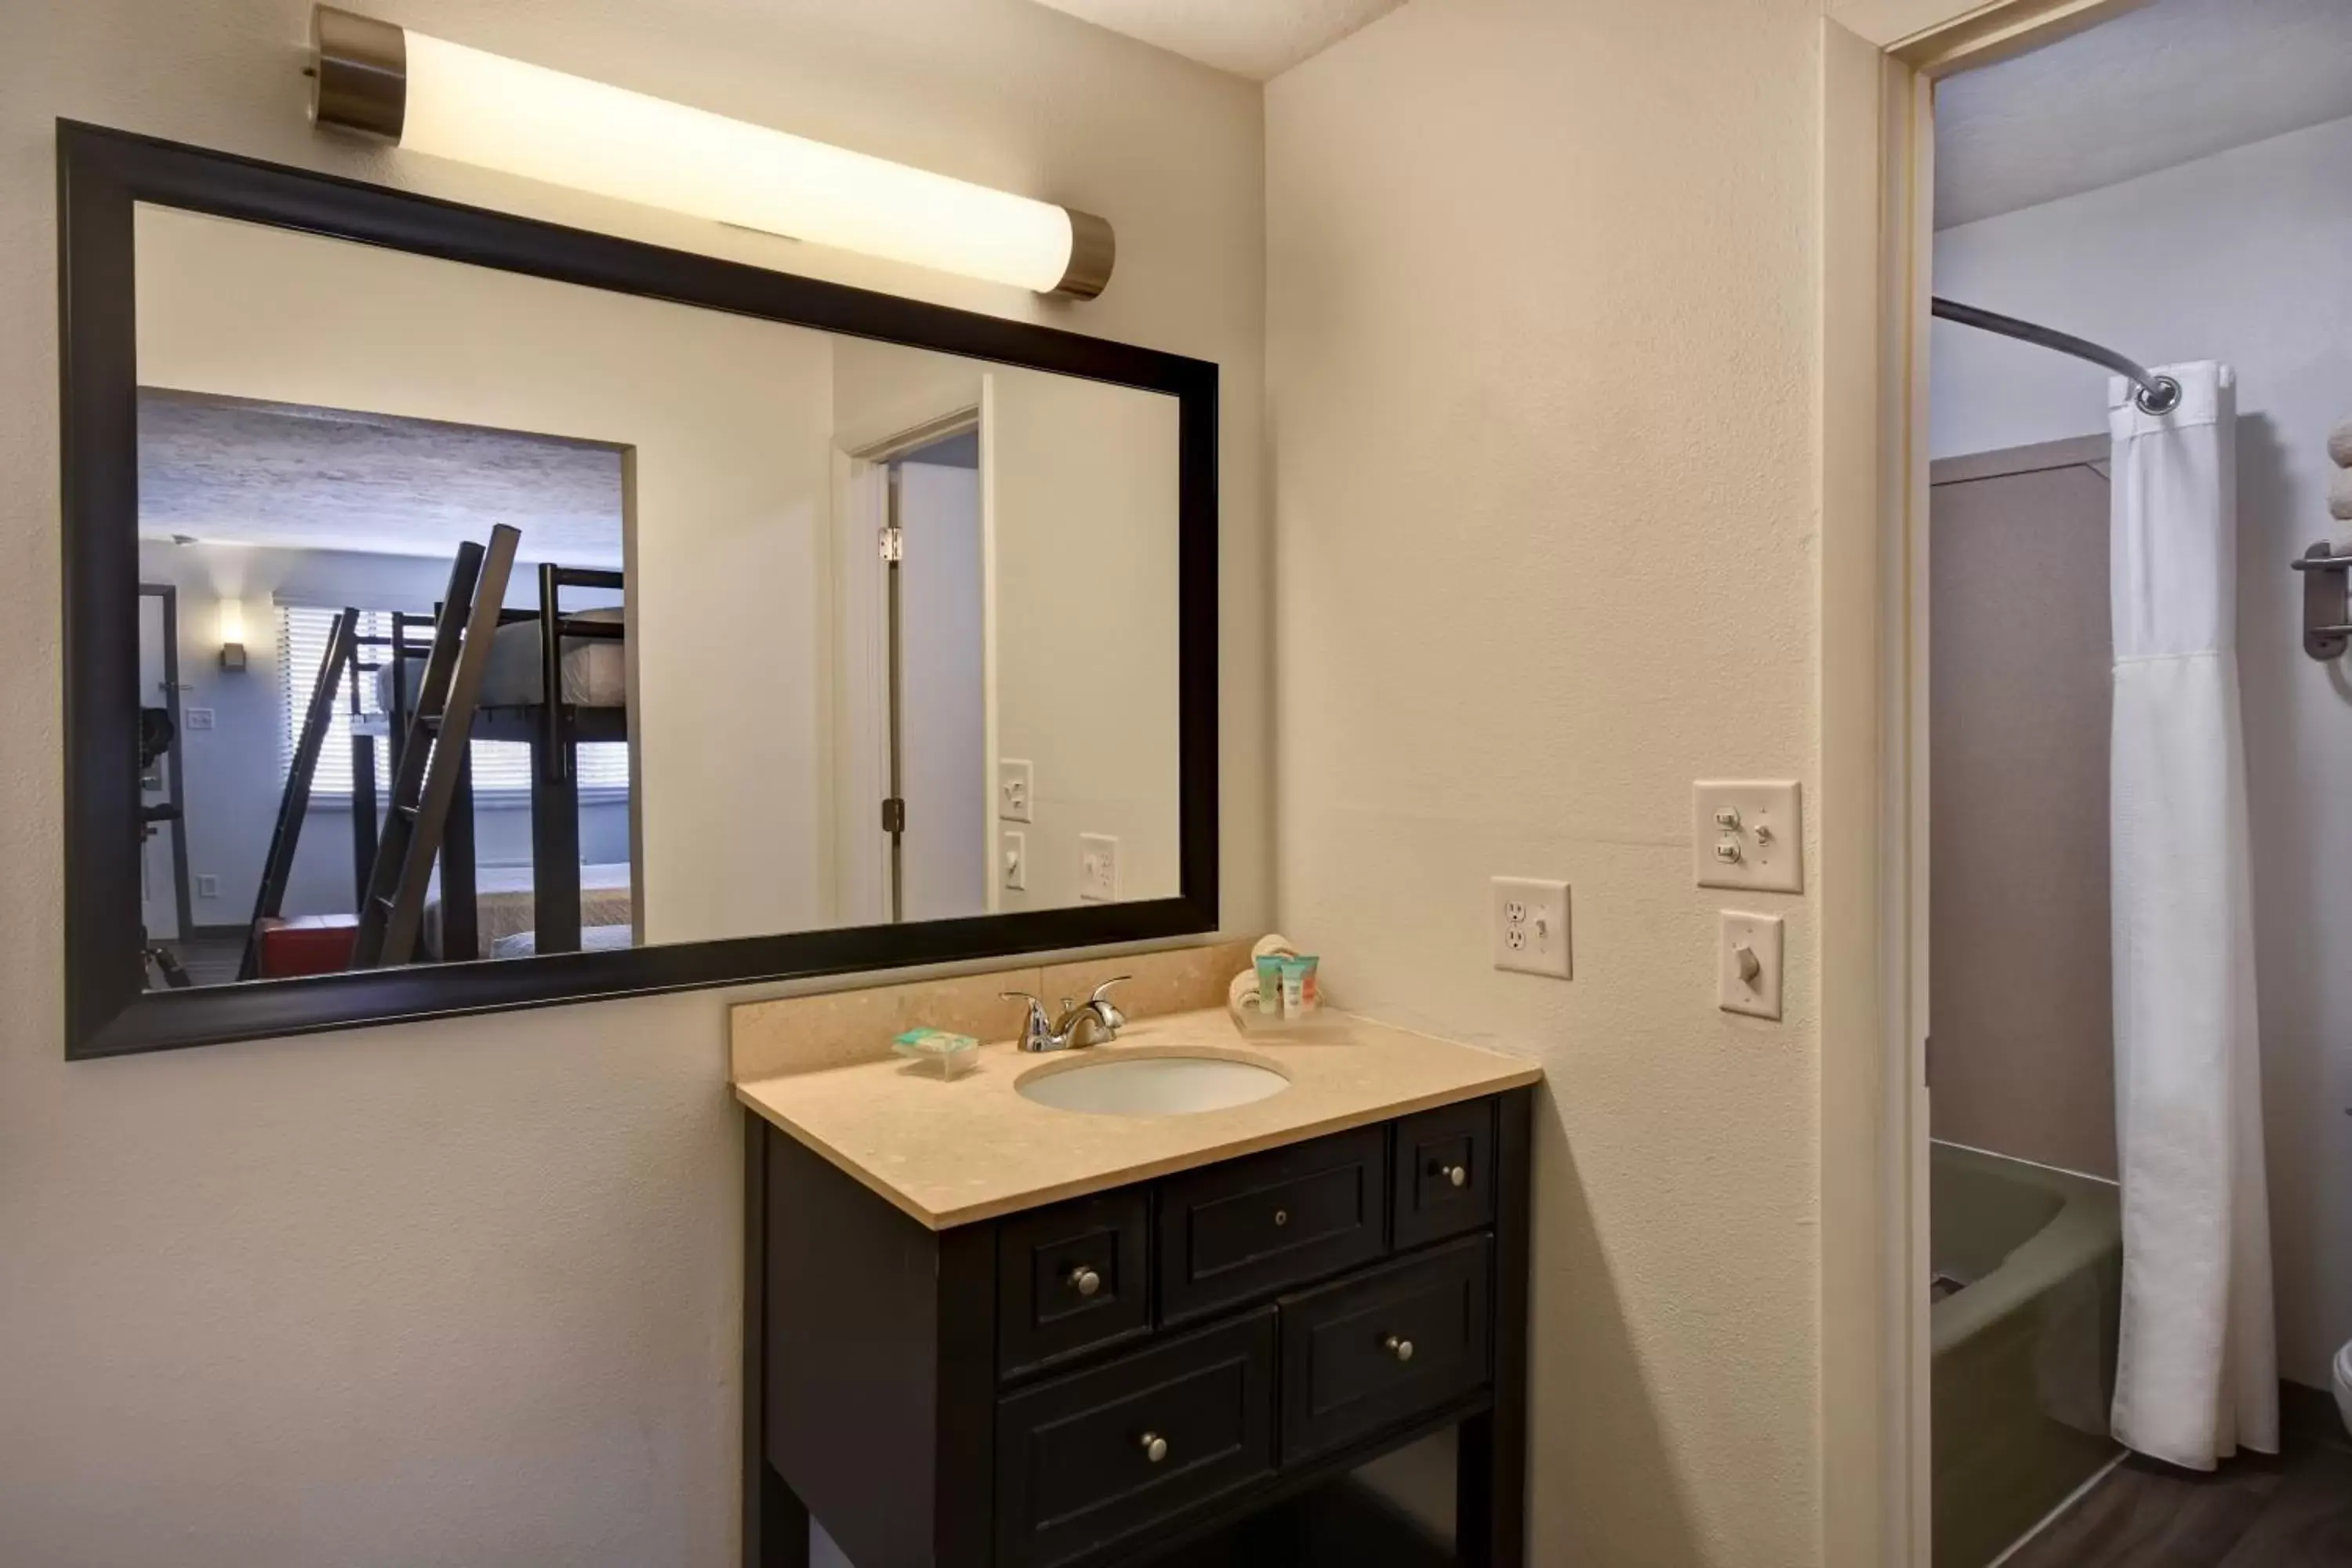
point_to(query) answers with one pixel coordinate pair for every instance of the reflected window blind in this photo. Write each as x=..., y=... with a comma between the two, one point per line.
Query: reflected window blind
x=500, y=767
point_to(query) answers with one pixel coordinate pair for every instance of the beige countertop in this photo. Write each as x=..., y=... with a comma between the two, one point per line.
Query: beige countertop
x=948, y=1154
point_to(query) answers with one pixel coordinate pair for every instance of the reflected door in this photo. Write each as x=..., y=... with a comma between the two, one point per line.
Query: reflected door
x=944, y=717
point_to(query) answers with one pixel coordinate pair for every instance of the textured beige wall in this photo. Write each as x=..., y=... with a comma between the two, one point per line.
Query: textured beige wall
x=468, y=1293
x=1542, y=386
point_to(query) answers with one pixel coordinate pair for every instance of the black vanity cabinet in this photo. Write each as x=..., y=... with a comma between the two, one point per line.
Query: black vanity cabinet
x=1097, y=1381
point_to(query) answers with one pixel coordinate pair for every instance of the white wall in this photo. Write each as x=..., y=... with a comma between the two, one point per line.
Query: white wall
x=1542, y=381
x=2245, y=257
x=1081, y=482
x=470, y=1292
x=728, y=422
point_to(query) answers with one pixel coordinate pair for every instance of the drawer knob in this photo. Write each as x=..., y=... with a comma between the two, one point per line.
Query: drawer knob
x=1084, y=1280
x=1401, y=1349
x=1282, y=1216
x=1459, y=1175
x=1155, y=1448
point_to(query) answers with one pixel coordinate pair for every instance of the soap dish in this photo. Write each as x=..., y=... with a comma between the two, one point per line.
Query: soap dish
x=937, y=1052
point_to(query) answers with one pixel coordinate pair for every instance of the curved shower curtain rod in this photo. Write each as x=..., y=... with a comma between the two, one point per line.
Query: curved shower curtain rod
x=2158, y=393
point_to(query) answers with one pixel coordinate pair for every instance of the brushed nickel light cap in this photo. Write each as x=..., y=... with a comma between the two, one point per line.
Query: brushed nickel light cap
x=1093, y=252
x=359, y=73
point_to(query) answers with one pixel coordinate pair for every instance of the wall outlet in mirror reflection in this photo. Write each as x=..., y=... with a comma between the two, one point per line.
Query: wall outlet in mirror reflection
x=1015, y=781
x=1097, y=867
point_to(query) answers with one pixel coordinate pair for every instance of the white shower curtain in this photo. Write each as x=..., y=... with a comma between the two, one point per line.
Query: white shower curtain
x=2196, y=1372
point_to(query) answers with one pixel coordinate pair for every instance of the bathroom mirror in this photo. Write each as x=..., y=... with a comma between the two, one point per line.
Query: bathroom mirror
x=465, y=612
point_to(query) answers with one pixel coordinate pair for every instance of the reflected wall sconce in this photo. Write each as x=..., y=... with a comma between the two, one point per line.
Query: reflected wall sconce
x=428, y=94
x=231, y=633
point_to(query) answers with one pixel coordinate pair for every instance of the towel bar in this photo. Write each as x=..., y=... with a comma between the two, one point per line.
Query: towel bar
x=2326, y=603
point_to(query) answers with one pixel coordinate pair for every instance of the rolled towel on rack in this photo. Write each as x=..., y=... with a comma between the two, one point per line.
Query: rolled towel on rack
x=2339, y=495
x=2339, y=445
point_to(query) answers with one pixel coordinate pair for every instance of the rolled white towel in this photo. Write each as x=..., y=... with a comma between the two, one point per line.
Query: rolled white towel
x=2339, y=445
x=2339, y=495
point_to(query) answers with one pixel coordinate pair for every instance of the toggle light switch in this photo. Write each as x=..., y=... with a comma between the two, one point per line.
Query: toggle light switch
x=1747, y=834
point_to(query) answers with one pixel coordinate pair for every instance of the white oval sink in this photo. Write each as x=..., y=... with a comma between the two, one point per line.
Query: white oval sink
x=1153, y=1086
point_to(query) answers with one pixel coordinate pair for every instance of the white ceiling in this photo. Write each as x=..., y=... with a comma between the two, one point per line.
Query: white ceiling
x=230, y=471
x=2172, y=81
x=1255, y=38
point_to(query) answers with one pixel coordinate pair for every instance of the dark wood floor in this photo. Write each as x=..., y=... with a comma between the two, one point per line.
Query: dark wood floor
x=2294, y=1511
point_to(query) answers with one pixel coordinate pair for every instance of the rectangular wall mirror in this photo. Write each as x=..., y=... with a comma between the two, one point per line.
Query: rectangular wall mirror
x=466, y=612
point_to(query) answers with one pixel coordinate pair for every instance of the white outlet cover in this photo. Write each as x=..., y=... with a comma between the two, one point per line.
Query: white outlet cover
x=1747, y=834
x=202, y=719
x=1530, y=919
x=1016, y=789
x=1013, y=849
x=1097, y=867
x=1758, y=996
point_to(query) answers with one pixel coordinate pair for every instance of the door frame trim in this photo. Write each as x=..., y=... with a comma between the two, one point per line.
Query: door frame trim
x=1880, y=61
x=170, y=594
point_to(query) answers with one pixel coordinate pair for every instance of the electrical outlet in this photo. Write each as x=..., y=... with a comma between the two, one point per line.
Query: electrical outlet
x=1016, y=781
x=1097, y=867
x=1014, y=848
x=1747, y=964
x=1747, y=834
x=1532, y=932
x=208, y=886
x=202, y=719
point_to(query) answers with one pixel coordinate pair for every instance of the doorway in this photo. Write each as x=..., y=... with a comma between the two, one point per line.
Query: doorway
x=915, y=621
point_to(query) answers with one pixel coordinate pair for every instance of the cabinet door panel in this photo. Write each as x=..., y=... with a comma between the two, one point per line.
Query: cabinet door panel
x=1072, y=1278
x=1250, y=1228
x=1382, y=1347
x=1444, y=1172
x=1104, y=1455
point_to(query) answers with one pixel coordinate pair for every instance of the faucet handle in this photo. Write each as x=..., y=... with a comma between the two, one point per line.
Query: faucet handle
x=1102, y=1003
x=1037, y=1029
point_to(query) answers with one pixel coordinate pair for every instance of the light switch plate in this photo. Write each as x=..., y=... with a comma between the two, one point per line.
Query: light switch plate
x=1531, y=926
x=1015, y=849
x=1016, y=781
x=208, y=886
x=1097, y=867
x=1757, y=995
x=1749, y=835
x=202, y=719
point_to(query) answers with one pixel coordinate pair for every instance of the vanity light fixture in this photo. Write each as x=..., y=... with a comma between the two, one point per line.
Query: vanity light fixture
x=428, y=95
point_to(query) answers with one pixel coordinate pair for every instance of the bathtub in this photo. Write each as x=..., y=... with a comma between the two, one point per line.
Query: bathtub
x=2028, y=1266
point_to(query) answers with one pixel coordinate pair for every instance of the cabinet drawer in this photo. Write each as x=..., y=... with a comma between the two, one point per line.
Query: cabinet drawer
x=1071, y=1278
x=1075, y=1457
x=1253, y=1226
x=1444, y=1172
x=1377, y=1350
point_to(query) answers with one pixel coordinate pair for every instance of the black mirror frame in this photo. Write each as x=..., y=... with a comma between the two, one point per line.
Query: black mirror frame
x=102, y=175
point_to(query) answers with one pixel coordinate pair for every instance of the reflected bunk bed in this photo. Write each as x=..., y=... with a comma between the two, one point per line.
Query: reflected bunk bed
x=462, y=688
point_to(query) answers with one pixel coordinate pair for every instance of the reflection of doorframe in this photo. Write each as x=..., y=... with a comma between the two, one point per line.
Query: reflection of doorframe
x=876, y=616
x=176, y=781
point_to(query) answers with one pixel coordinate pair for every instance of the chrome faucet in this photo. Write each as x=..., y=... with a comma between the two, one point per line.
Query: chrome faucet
x=1088, y=1023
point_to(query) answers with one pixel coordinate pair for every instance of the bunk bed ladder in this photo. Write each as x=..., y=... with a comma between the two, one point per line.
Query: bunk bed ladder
x=433, y=753
x=277, y=866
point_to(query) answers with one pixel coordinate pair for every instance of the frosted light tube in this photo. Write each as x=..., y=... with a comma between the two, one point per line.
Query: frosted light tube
x=443, y=99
